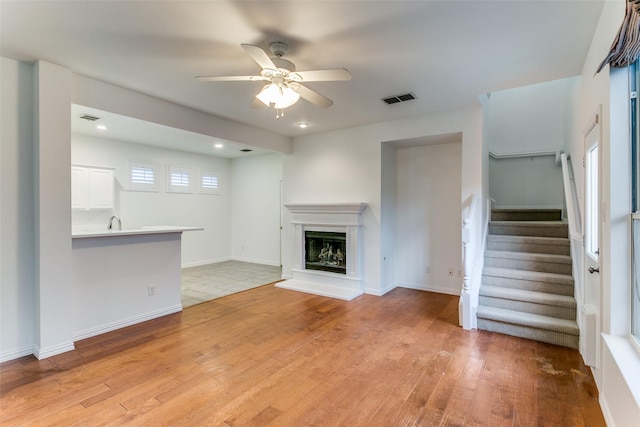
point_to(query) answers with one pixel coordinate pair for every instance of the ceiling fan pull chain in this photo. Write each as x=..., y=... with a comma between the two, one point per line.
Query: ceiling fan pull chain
x=279, y=113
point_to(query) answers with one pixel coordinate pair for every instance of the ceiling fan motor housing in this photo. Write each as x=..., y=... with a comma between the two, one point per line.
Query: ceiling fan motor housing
x=278, y=48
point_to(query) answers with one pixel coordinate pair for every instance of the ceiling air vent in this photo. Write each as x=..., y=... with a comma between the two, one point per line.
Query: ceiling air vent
x=399, y=98
x=89, y=117
x=246, y=150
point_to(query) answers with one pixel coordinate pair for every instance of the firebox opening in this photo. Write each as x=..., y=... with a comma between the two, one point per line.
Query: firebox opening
x=325, y=251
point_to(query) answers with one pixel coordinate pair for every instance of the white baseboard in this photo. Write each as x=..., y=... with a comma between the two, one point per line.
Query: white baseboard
x=16, y=353
x=379, y=292
x=428, y=288
x=256, y=261
x=91, y=332
x=43, y=353
x=205, y=262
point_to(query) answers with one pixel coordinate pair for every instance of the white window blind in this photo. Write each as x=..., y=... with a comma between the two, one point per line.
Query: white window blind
x=179, y=180
x=209, y=182
x=142, y=176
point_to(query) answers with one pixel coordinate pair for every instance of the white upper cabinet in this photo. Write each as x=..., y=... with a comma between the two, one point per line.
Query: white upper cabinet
x=91, y=188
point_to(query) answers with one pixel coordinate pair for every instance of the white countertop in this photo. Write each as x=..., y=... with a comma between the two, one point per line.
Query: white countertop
x=152, y=229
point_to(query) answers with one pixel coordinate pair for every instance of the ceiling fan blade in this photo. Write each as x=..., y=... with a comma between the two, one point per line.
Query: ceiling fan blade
x=314, y=97
x=335, y=74
x=259, y=55
x=229, y=78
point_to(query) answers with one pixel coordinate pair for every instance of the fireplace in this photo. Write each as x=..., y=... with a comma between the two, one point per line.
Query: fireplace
x=326, y=250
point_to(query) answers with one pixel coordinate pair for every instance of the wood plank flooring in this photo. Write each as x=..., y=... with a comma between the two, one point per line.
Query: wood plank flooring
x=273, y=357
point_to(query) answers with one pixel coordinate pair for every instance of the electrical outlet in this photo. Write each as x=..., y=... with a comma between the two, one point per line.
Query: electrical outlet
x=151, y=290
x=427, y=269
x=451, y=272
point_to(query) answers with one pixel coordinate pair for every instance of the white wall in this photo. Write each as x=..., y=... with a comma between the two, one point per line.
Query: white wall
x=37, y=318
x=533, y=182
x=345, y=166
x=255, y=207
x=529, y=119
x=617, y=372
x=428, y=227
x=17, y=252
x=140, y=208
x=388, y=217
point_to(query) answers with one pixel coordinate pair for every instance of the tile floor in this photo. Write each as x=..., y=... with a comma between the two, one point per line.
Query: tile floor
x=207, y=282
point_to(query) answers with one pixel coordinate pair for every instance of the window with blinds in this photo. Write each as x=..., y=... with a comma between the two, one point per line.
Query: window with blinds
x=179, y=180
x=142, y=176
x=209, y=182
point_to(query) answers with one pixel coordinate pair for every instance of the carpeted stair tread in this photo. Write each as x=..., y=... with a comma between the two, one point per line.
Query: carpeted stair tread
x=533, y=276
x=528, y=319
x=528, y=296
x=541, y=224
x=529, y=256
x=508, y=238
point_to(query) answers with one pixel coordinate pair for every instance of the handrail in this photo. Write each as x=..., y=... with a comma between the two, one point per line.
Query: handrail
x=570, y=196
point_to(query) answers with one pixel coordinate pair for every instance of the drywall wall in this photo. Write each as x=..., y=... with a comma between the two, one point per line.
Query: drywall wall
x=143, y=208
x=345, y=166
x=533, y=182
x=428, y=227
x=255, y=206
x=17, y=252
x=530, y=119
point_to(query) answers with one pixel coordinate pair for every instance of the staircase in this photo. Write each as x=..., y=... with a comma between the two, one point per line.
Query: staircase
x=527, y=286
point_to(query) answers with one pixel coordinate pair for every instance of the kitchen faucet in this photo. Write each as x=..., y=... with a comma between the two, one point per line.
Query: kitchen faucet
x=110, y=227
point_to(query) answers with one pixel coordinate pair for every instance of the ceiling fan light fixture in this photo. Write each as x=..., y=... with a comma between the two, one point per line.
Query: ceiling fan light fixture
x=279, y=95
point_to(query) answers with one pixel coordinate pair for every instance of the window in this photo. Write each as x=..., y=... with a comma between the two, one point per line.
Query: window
x=592, y=203
x=179, y=180
x=142, y=176
x=209, y=182
x=635, y=203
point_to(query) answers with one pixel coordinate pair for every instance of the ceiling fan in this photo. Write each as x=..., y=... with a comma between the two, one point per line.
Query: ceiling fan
x=285, y=83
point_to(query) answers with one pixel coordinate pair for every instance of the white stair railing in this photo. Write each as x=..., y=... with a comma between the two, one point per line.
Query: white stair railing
x=466, y=306
x=571, y=198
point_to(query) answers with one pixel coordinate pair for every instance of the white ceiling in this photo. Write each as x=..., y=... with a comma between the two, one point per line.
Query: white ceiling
x=445, y=52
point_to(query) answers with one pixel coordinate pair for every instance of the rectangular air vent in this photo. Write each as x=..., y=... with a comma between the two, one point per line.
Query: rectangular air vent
x=399, y=98
x=89, y=117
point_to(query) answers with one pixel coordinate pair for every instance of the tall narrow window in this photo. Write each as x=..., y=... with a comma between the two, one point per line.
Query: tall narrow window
x=634, y=83
x=592, y=203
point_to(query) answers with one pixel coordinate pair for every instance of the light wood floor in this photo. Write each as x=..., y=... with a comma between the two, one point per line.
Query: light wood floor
x=269, y=356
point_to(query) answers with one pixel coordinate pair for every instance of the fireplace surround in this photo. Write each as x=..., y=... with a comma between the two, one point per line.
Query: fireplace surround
x=326, y=249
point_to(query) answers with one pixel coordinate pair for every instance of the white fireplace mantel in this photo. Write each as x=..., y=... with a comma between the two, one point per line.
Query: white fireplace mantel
x=336, y=217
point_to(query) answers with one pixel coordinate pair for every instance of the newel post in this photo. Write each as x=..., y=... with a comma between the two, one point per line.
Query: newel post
x=465, y=298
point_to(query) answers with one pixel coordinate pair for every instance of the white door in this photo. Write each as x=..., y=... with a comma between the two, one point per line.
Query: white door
x=591, y=292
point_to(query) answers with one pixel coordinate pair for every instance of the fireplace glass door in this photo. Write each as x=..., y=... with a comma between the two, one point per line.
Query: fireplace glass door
x=325, y=251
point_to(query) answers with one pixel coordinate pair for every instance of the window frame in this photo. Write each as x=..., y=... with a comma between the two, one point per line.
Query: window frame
x=204, y=189
x=182, y=187
x=150, y=186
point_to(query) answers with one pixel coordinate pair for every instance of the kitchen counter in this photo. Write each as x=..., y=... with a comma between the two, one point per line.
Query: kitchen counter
x=124, y=277
x=152, y=229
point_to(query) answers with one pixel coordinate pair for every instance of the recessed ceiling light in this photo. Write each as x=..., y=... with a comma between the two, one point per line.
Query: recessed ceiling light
x=302, y=125
x=101, y=127
x=218, y=145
